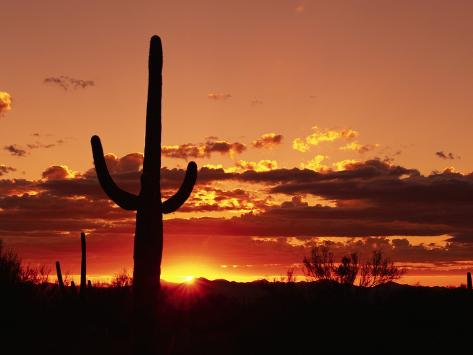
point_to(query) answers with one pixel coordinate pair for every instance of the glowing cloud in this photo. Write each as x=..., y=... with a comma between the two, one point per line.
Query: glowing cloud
x=360, y=148
x=5, y=102
x=316, y=163
x=219, y=97
x=262, y=165
x=322, y=135
x=58, y=172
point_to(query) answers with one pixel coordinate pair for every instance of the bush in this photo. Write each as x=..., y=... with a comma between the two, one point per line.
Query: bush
x=375, y=271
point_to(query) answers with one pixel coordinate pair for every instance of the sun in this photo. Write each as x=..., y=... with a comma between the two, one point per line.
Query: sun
x=189, y=279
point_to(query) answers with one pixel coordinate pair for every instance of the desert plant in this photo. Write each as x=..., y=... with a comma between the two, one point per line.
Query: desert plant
x=60, y=280
x=290, y=277
x=83, y=271
x=379, y=270
x=375, y=271
x=319, y=265
x=10, y=266
x=468, y=281
x=347, y=270
x=148, y=241
x=83, y=265
x=122, y=279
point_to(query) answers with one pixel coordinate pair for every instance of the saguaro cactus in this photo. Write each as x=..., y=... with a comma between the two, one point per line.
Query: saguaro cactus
x=148, y=243
x=468, y=281
x=83, y=265
x=59, y=277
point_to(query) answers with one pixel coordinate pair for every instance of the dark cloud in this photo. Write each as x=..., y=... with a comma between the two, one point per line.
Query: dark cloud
x=202, y=150
x=268, y=140
x=5, y=169
x=68, y=83
x=443, y=155
x=57, y=172
x=20, y=151
x=219, y=97
x=15, y=150
x=372, y=198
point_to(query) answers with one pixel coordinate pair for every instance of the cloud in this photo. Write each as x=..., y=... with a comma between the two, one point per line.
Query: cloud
x=5, y=169
x=68, y=83
x=219, y=97
x=262, y=165
x=322, y=135
x=359, y=148
x=444, y=155
x=20, y=151
x=202, y=150
x=5, y=102
x=371, y=198
x=57, y=172
x=14, y=150
x=268, y=140
x=315, y=163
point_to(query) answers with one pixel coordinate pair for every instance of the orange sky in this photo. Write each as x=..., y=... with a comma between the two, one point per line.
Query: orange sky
x=387, y=86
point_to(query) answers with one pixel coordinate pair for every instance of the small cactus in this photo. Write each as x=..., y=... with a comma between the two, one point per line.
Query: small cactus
x=73, y=288
x=59, y=277
x=83, y=269
x=83, y=266
x=468, y=281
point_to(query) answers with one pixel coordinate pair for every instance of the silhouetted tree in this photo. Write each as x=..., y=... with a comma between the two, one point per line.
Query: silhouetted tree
x=378, y=270
x=375, y=271
x=10, y=266
x=347, y=270
x=290, y=277
x=319, y=265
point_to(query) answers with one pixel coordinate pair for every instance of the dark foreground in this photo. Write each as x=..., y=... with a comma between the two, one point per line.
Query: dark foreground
x=219, y=317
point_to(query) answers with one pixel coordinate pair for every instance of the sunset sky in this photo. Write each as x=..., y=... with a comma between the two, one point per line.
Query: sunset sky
x=344, y=122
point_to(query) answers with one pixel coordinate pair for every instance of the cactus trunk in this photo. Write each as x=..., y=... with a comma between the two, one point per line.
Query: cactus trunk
x=83, y=266
x=148, y=243
x=468, y=281
x=59, y=277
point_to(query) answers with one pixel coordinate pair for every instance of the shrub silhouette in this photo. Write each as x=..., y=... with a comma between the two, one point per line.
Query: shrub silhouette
x=122, y=279
x=10, y=266
x=375, y=271
x=13, y=272
x=379, y=270
x=347, y=270
x=319, y=265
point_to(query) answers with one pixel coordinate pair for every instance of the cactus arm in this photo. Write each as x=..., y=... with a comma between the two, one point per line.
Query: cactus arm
x=176, y=201
x=124, y=199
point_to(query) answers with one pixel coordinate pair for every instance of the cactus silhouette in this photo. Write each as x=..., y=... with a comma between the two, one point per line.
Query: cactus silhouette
x=148, y=242
x=59, y=277
x=468, y=281
x=83, y=265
